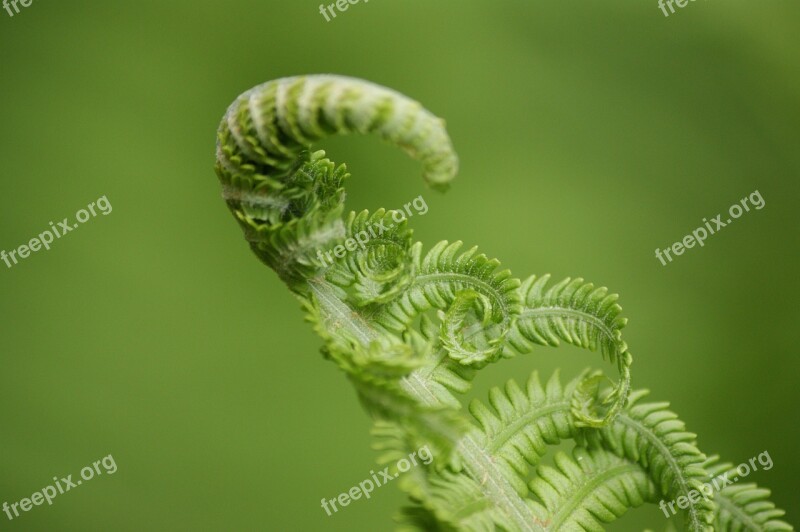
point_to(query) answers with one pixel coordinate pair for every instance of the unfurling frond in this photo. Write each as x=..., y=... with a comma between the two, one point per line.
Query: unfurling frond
x=576, y=312
x=411, y=330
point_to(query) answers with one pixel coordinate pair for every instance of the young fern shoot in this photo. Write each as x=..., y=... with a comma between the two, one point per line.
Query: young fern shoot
x=411, y=328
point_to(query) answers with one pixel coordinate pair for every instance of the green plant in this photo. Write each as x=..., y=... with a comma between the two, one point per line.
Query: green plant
x=411, y=329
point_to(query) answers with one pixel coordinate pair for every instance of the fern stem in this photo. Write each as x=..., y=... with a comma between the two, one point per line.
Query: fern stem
x=480, y=466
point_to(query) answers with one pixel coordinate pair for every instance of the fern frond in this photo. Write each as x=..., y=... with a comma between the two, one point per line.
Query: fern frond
x=440, y=377
x=440, y=428
x=377, y=264
x=521, y=424
x=458, y=501
x=575, y=312
x=269, y=125
x=442, y=277
x=591, y=487
x=376, y=308
x=742, y=506
x=654, y=437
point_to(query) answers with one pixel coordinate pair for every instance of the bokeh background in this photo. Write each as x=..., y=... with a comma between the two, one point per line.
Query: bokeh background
x=590, y=133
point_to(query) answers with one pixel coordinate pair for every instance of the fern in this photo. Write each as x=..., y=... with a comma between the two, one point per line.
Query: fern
x=593, y=486
x=743, y=506
x=582, y=315
x=411, y=329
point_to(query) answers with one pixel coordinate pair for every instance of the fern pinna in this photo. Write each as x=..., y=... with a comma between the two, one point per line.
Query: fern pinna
x=411, y=328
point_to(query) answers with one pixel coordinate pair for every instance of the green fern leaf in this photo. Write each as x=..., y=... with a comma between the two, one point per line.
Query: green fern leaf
x=592, y=487
x=743, y=506
x=582, y=315
x=654, y=437
x=444, y=276
x=520, y=425
x=377, y=264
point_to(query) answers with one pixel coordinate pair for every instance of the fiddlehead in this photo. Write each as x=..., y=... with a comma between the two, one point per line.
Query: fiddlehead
x=282, y=193
x=373, y=308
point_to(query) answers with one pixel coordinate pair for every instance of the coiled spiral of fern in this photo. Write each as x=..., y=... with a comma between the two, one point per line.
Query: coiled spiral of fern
x=411, y=329
x=288, y=198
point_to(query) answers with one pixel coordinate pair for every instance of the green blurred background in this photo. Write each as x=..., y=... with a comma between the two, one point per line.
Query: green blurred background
x=589, y=134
